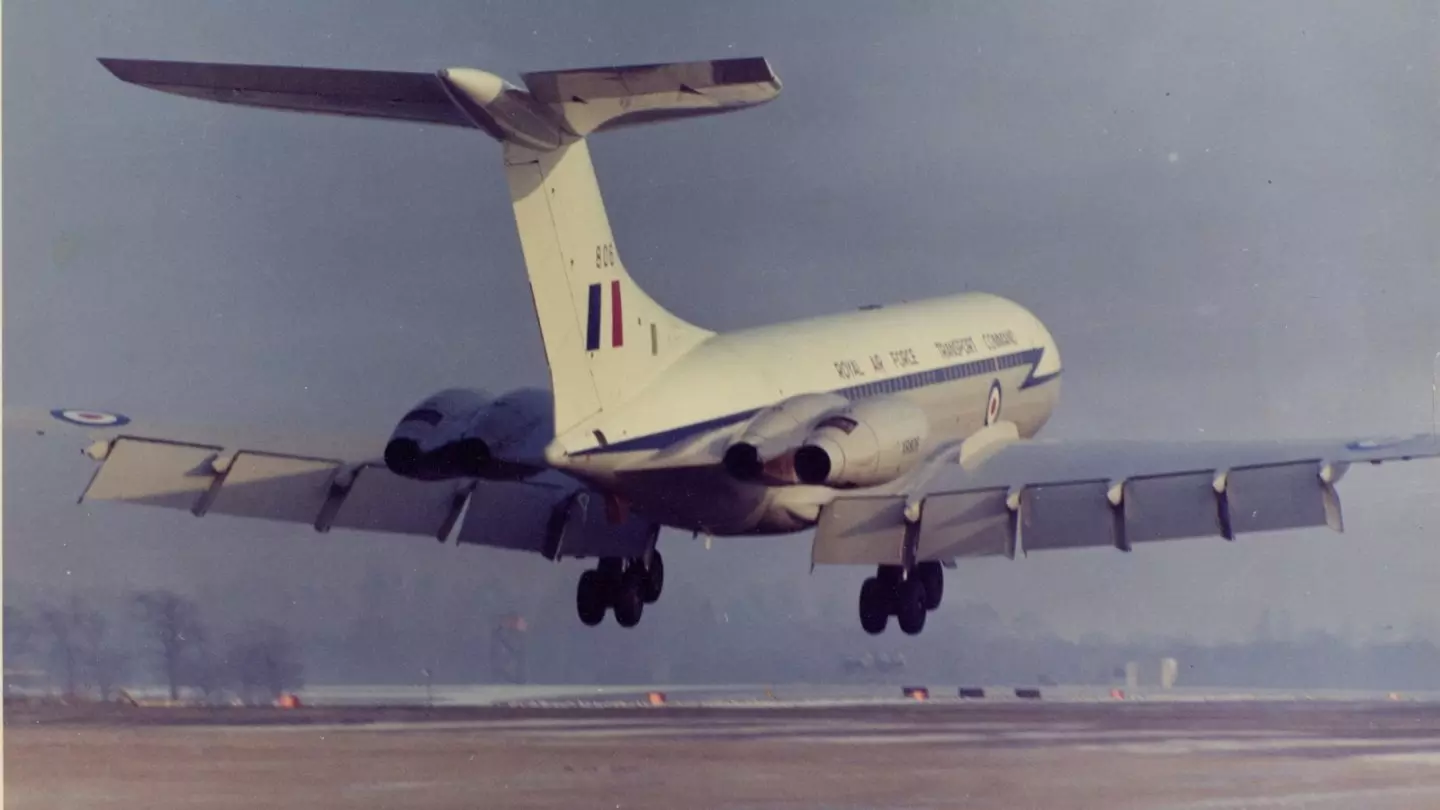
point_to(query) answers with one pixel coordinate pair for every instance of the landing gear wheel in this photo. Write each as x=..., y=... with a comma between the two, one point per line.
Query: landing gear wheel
x=592, y=598
x=932, y=576
x=629, y=597
x=654, y=578
x=910, y=606
x=874, y=606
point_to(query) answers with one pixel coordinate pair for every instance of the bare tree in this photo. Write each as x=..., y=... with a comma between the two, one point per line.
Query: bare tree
x=69, y=627
x=174, y=624
x=104, y=664
x=207, y=672
x=19, y=634
x=19, y=639
x=266, y=661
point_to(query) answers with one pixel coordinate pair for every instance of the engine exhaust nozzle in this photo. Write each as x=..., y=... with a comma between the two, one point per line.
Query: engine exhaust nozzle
x=742, y=461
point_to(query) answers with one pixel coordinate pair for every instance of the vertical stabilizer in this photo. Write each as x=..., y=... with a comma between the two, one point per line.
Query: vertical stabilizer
x=605, y=339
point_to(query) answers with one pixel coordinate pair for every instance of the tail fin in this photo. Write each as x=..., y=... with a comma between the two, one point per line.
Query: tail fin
x=604, y=338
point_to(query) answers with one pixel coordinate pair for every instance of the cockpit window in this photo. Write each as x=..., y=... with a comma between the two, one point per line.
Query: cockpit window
x=429, y=416
x=843, y=423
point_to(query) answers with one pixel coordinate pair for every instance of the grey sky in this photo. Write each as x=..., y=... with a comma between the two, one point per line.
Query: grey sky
x=1224, y=211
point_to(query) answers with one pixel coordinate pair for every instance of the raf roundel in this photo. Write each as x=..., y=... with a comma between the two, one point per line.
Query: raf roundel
x=992, y=406
x=90, y=418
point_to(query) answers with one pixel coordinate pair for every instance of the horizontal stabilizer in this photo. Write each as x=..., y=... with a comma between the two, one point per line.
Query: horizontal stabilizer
x=596, y=99
x=365, y=93
x=560, y=105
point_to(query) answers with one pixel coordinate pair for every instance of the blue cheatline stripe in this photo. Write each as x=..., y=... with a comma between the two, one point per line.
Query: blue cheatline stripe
x=592, y=322
x=906, y=382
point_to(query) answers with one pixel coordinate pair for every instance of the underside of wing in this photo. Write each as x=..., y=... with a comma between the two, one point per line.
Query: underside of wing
x=1036, y=496
x=335, y=482
x=549, y=514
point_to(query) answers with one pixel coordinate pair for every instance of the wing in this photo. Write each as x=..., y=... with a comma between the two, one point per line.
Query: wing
x=329, y=482
x=1041, y=495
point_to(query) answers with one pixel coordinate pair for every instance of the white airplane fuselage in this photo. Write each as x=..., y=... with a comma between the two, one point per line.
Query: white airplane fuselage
x=943, y=355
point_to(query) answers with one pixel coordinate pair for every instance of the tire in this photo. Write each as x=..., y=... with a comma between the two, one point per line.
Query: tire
x=591, y=598
x=932, y=576
x=910, y=606
x=629, y=603
x=654, y=578
x=874, y=606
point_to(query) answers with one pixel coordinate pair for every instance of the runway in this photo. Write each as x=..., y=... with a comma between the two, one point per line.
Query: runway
x=1156, y=756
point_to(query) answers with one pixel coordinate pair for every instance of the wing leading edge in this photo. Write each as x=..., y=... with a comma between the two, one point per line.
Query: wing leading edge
x=1038, y=496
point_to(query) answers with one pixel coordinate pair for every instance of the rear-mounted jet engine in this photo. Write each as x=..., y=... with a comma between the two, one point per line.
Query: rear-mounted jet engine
x=869, y=443
x=774, y=433
x=463, y=433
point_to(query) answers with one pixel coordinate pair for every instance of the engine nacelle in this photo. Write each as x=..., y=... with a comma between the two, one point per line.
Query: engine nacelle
x=868, y=443
x=775, y=431
x=463, y=433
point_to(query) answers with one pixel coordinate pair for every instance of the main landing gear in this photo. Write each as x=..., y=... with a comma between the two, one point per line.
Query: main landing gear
x=624, y=586
x=907, y=597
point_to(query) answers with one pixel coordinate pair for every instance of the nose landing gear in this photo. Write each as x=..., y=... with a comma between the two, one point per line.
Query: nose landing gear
x=909, y=598
x=621, y=585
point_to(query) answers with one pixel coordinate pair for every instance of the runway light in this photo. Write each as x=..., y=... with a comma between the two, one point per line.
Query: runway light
x=1118, y=694
x=656, y=698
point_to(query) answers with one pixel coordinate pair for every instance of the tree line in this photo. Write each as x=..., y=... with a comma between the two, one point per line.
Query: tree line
x=158, y=636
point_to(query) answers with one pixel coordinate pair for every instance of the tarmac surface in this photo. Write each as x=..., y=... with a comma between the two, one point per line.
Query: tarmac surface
x=1195, y=755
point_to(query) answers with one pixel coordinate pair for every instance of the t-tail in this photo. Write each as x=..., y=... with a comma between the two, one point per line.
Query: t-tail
x=605, y=339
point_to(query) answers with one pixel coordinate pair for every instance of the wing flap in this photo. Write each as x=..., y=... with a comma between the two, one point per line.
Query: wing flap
x=381, y=501
x=272, y=487
x=556, y=520
x=860, y=531
x=1171, y=507
x=154, y=473
x=1074, y=515
x=590, y=531
x=1272, y=498
x=417, y=97
x=967, y=524
x=510, y=515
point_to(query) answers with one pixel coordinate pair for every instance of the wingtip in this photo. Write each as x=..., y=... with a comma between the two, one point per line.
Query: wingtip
x=131, y=71
x=116, y=67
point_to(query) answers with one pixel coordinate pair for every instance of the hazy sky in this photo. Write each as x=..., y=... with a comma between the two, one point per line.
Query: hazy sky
x=1226, y=213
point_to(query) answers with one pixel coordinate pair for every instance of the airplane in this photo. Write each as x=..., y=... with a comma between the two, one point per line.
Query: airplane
x=904, y=436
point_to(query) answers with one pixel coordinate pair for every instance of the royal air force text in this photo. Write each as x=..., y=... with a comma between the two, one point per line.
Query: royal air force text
x=902, y=359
